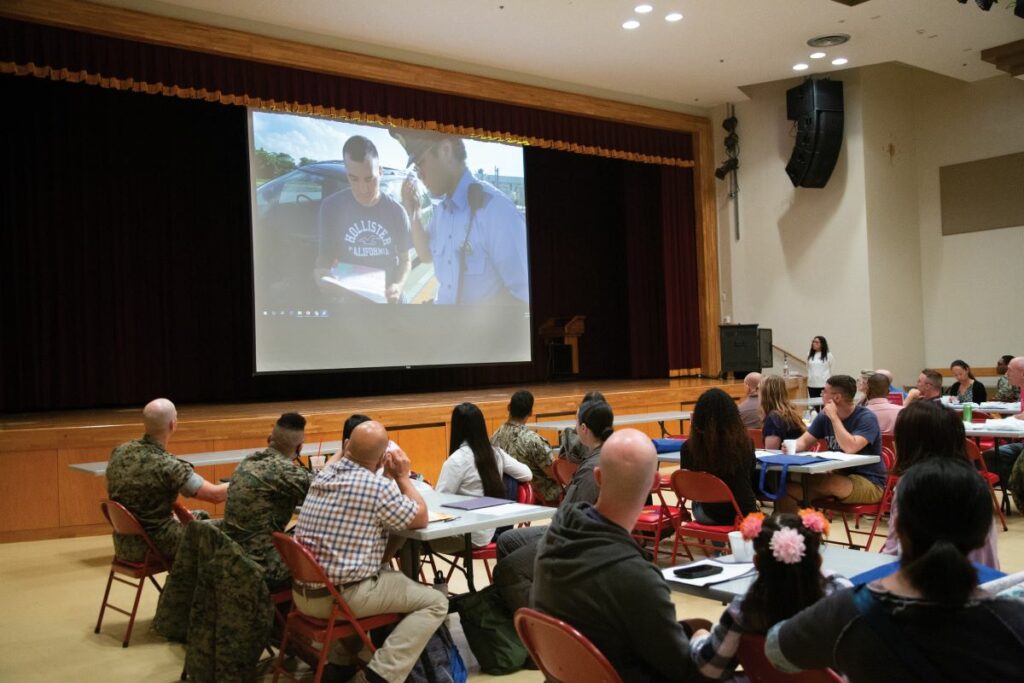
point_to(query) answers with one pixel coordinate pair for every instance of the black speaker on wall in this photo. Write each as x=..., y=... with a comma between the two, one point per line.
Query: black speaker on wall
x=817, y=108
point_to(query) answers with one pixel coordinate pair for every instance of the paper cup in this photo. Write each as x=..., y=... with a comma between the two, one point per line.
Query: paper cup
x=742, y=549
x=317, y=462
x=789, y=446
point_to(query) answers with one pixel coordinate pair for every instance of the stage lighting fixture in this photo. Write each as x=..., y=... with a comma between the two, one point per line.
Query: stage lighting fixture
x=729, y=124
x=727, y=167
x=731, y=140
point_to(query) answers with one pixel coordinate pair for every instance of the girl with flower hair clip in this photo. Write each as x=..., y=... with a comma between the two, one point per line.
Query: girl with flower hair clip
x=789, y=578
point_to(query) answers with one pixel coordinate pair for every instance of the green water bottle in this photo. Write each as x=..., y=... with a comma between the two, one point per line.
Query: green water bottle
x=968, y=412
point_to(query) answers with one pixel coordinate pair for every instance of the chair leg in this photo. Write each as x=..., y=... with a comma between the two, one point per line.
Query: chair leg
x=849, y=536
x=998, y=507
x=487, y=569
x=135, y=609
x=103, y=606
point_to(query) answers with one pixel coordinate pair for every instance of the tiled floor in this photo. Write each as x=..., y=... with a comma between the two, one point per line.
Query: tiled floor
x=51, y=590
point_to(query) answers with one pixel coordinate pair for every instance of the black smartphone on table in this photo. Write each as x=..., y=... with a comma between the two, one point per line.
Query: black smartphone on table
x=698, y=571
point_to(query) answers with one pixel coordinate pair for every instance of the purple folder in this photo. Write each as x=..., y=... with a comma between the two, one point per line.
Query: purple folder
x=476, y=503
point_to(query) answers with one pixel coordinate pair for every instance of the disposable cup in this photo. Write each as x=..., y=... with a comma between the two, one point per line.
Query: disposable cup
x=789, y=446
x=742, y=549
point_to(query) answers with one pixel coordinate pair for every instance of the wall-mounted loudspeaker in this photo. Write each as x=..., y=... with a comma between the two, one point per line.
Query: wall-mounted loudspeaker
x=817, y=108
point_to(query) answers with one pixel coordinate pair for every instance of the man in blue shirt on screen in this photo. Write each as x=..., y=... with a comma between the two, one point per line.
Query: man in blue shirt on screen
x=476, y=237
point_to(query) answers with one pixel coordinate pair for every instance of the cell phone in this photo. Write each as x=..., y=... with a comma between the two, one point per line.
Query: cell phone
x=698, y=571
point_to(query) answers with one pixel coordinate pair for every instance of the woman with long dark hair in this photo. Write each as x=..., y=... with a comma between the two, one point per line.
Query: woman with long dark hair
x=474, y=467
x=966, y=388
x=720, y=445
x=929, y=621
x=819, y=366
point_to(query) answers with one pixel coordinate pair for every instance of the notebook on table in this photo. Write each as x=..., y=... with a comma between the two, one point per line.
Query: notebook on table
x=476, y=503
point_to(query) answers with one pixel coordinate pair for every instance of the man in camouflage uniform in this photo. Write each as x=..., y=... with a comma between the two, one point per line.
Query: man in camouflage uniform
x=146, y=479
x=265, y=488
x=527, y=446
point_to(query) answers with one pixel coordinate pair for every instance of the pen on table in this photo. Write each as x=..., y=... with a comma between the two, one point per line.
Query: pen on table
x=435, y=521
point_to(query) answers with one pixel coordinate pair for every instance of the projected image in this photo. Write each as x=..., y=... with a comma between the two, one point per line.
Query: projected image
x=417, y=237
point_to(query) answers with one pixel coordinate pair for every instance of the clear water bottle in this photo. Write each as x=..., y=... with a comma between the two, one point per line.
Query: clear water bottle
x=785, y=366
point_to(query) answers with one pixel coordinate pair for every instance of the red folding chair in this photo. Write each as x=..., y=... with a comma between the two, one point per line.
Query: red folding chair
x=756, y=436
x=562, y=472
x=490, y=551
x=895, y=398
x=878, y=510
x=991, y=478
x=701, y=487
x=123, y=522
x=563, y=654
x=341, y=623
x=759, y=670
x=656, y=521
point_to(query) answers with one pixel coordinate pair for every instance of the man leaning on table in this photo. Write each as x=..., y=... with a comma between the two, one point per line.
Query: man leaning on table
x=344, y=523
x=847, y=428
x=593, y=575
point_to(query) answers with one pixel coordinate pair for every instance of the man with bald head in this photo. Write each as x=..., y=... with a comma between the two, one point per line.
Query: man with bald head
x=593, y=575
x=344, y=523
x=146, y=479
x=265, y=488
x=750, y=407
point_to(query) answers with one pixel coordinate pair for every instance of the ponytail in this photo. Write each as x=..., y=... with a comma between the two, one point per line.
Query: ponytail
x=598, y=417
x=943, y=574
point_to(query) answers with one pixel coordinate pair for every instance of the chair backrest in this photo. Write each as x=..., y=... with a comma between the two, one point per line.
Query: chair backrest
x=980, y=417
x=525, y=493
x=896, y=398
x=702, y=487
x=759, y=670
x=974, y=455
x=562, y=471
x=300, y=561
x=563, y=654
x=756, y=436
x=123, y=522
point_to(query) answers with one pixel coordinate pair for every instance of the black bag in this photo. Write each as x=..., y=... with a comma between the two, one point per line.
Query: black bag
x=440, y=661
x=490, y=631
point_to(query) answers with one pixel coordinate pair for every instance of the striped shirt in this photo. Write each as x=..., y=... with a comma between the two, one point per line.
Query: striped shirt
x=346, y=517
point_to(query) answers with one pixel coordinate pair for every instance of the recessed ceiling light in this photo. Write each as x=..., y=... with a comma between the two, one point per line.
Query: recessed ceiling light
x=800, y=67
x=631, y=24
x=642, y=9
x=674, y=16
x=839, y=61
x=817, y=55
x=830, y=40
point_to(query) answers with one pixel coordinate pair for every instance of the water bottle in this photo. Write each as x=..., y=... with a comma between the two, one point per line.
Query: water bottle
x=968, y=412
x=785, y=366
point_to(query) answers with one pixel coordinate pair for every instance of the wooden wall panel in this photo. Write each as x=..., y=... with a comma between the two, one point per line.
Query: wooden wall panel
x=79, y=493
x=28, y=491
x=426, y=446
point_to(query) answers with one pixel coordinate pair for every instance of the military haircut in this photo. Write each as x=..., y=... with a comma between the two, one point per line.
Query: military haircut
x=291, y=421
x=357, y=148
x=520, y=405
x=351, y=423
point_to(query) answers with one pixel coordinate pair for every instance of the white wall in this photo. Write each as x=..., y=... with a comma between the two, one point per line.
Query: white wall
x=863, y=261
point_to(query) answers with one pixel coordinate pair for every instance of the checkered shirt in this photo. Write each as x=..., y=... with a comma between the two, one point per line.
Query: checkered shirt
x=346, y=517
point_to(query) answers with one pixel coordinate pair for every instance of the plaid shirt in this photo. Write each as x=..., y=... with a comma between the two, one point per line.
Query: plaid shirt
x=715, y=654
x=346, y=517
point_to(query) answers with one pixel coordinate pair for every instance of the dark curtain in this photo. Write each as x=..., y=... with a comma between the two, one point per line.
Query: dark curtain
x=125, y=258
x=681, y=300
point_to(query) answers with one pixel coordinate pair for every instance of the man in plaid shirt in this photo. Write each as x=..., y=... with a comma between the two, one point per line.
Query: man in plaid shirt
x=344, y=523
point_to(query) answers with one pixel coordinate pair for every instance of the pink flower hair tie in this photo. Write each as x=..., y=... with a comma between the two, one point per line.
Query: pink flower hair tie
x=787, y=546
x=814, y=521
x=750, y=527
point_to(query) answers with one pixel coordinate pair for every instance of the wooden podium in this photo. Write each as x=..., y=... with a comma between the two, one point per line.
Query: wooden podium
x=565, y=331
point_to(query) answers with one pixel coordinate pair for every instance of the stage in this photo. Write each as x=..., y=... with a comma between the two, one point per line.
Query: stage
x=40, y=497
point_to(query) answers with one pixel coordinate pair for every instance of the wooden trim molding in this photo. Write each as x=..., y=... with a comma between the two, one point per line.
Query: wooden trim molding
x=129, y=24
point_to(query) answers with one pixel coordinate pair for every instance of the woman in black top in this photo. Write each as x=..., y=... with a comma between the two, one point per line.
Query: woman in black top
x=719, y=444
x=966, y=387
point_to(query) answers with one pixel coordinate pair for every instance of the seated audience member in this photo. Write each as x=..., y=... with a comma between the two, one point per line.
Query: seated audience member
x=517, y=548
x=474, y=468
x=526, y=446
x=966, y=388
x=265, y=488
x=861, y=397
x=893, y=388
x=720, y=445
x=593, y=575
x=847, y=428
x=344, y=523
x=789, y=579
x=146, y=479
x=926, y=430
x=1005, y=391
x=878, y=402
x=928, y=387
x=569, y=445
x=750, y=407
x=927, y=622
x=782, y=420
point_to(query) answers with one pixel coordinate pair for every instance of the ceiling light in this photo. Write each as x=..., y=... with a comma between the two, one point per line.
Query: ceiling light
x=674, y=16
x=800, y=67
x=817, y=55
x=642, y=9
x=839, y=61
x=830, y=40
x=631, y=24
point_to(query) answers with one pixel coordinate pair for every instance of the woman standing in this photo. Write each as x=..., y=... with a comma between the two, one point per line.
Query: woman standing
x=966, y=388
x=819, y=366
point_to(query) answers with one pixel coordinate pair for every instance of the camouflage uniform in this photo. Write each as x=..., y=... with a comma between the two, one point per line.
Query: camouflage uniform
x=1006, y=391
x=145, y=478
x=264, y=491
x=570, y=446
x=529, y=448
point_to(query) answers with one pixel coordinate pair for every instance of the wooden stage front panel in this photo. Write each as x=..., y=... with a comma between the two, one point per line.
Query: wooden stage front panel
x=41, y=498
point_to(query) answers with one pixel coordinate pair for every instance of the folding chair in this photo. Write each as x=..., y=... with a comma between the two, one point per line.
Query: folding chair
x=882, y=507
x=562, y=472
x=991, y=478
x=123, y=522
x=341, y=623
x=655, y=520
x=759, y=670
x=702, y=487
x=563, y=654
x=757, y=436
x=490, y=551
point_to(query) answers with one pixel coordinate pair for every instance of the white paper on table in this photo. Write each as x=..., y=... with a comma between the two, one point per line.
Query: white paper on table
x=730, y=571
x=836, y=455
x=500, y=510
x=1009, y=424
